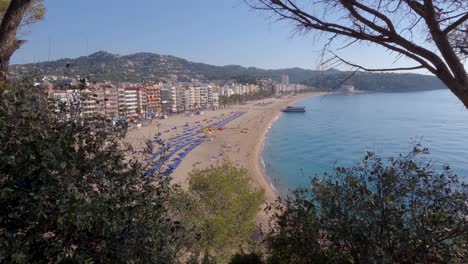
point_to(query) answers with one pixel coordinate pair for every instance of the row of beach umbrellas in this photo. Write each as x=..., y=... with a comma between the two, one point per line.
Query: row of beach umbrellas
x=182, y=144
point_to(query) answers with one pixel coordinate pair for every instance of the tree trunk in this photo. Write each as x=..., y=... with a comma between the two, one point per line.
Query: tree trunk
x=459, y=87
x=8, y=43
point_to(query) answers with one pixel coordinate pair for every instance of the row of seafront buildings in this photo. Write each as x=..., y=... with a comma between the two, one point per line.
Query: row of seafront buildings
x=152, y=99
x=274, y=88
x=133, y=100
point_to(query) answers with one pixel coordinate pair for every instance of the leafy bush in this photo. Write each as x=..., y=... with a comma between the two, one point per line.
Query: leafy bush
x=68, y=193
x=400, y=211
x=223, y=205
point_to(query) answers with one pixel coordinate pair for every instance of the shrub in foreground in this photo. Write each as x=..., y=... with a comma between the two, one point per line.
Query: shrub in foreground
x=223, y=204
x=396, y=211
x=68, y=194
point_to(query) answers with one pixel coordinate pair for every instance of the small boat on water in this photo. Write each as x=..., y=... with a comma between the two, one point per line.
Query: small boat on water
x=294, y=109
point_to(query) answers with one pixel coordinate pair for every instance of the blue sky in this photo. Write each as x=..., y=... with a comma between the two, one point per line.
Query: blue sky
x=218, y=32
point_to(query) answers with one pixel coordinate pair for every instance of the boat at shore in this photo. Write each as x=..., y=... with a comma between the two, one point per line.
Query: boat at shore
x=294, y=109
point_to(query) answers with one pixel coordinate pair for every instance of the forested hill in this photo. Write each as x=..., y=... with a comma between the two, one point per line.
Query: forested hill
x=378, y=82
x=104, y=66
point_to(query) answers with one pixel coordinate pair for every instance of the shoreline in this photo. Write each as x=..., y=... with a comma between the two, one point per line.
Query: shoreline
x=260, y=166
x=229, y=144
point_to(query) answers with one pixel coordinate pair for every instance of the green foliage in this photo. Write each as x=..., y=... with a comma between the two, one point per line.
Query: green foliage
x=34, y=14
x=400, y=211
x=223, y=208
x=246, y=79
x=69, y=195
x=295, y=237
x=239, y=98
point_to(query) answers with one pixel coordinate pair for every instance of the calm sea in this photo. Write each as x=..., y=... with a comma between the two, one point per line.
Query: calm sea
x=338, y=129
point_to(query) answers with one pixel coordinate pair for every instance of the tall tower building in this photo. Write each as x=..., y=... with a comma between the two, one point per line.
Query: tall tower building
x=285, y=80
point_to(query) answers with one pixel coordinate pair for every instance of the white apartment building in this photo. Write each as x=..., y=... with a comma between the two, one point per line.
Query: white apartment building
x=186, y=100
x=204, y=97
x=236, y=88
x=174, y=99
x=227, y=91
x=132, y=101
x=215, y=100
x=122, y=108
x=88, y=104
x=195, y=99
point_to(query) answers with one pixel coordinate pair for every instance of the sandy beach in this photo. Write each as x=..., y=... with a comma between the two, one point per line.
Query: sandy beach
x=231, y=143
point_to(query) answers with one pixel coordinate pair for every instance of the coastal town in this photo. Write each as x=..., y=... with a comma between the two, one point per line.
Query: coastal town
x=201, y=123
x=150, y=100
x=233, y=132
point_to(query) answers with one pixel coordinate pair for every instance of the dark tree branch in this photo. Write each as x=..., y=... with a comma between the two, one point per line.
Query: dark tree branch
x=455, y=24
x=376, y=70
x=383, y=22
x=443, y=44
x=350, y=6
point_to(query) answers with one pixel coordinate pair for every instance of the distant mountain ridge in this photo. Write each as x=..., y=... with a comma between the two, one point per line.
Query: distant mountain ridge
x=144, y=66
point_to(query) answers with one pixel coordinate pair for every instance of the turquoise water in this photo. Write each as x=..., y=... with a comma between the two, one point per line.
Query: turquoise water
x=338, y=129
